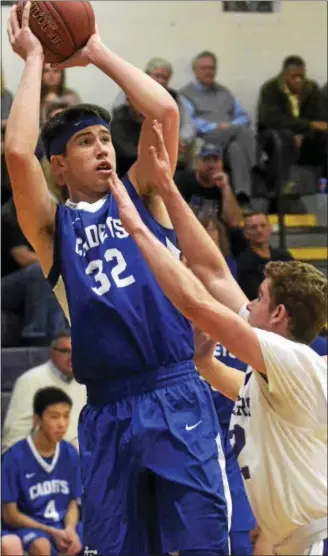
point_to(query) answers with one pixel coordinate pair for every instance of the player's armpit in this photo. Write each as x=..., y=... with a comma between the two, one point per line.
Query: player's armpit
x=35, y=208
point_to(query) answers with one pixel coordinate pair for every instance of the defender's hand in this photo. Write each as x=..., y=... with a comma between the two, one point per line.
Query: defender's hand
x=204, y=347
x=160, y=161
x=22, y=40
x=129, y=215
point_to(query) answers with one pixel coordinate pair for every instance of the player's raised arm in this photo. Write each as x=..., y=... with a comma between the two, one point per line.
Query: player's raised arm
x=184, y=289
x=35, y=209
x=204, y=257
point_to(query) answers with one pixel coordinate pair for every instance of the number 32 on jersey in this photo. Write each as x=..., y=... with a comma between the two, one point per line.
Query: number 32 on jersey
x=96, y=269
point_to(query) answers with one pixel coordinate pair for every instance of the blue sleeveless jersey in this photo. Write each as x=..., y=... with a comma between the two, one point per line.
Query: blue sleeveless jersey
x=122, y=322
x=41, y=489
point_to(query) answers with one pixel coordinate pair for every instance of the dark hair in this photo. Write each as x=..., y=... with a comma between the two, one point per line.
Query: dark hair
x=48, y=396
x=292, y=61
x=55, y=125
x=204, y=54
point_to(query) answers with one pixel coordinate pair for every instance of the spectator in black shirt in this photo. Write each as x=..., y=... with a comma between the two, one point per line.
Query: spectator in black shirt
x=251, y=263
x=24, y=289
x=207, y=188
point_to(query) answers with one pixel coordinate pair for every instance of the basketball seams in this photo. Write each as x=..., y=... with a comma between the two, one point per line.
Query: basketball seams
x=66, y=24
x=90, y=15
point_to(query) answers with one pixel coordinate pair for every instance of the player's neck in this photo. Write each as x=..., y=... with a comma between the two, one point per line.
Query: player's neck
x=45, y=447
x=86, y=197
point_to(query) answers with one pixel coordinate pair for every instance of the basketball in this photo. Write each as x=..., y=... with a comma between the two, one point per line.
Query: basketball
x=61, y=27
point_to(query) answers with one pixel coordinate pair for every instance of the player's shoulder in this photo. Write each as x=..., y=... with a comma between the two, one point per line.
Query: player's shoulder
x=16, y=452
x=276, y=348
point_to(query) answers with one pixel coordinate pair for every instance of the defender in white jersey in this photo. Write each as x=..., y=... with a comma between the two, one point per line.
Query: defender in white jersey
x=280, y=417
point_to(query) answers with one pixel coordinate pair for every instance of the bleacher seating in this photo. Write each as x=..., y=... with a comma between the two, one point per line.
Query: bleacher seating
x=14, y=362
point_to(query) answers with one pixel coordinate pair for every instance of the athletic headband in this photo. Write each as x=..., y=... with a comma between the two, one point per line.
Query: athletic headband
x=58, y=144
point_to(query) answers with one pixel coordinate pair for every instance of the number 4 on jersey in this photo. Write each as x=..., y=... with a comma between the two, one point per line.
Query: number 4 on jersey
x=50, y=512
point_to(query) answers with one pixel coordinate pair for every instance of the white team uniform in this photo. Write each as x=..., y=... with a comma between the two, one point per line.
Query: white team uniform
x=279, y=428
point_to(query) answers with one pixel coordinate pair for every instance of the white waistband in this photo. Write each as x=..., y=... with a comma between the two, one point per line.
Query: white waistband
x=300, y=540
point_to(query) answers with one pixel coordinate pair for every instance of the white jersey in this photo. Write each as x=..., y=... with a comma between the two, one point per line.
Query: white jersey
x=279, y=428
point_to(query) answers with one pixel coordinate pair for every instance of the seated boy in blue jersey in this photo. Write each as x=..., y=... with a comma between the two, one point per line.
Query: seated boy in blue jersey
x=41, y=483
x=149, y=435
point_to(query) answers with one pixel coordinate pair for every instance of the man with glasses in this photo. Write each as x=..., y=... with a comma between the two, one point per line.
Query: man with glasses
x=57, y=371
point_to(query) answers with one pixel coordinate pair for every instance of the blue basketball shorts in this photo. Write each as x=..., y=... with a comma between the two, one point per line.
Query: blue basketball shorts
x=151, y=467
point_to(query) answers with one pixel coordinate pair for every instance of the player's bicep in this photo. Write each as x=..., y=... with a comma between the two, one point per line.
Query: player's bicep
x=35, y=208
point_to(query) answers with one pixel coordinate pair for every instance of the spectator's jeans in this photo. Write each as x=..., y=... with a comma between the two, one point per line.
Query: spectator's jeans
x=28, y=288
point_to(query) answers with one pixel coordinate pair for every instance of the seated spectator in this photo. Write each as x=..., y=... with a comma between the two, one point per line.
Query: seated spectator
x=219, y=118
x=251, y=263
x=161, y=71
x=53, y=88
x=23, y=285
x=56, y=372
x=207, y=187
x=125, y=130
x=126, y=122
x=41, y=485
x=293, y=105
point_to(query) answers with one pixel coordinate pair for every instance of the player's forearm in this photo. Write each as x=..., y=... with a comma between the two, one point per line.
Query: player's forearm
x=16, y=519
x=203, y=256
x=24, y=119
x=226, y=380
x=147, y=96
x=72, y=515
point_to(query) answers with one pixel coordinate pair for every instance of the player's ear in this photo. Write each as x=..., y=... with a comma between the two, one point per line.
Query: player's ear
x=36, y=422
x=58, y=164
x=279, y=314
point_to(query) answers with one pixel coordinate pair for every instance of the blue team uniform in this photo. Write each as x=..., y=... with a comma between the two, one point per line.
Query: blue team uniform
x=320, y=345
x=148, y=435
x=243, y=520
x=41, y=487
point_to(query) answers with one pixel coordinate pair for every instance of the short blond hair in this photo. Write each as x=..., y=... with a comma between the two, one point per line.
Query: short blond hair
x=302, y=289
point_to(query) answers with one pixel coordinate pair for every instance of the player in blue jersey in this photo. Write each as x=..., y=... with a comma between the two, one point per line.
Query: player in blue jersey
x=149, y=435
x=41, y=482
x=242, y=519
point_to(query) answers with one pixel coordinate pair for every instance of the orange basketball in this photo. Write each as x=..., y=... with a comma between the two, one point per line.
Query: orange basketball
x=61, y=27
